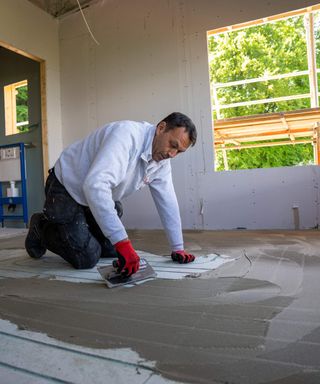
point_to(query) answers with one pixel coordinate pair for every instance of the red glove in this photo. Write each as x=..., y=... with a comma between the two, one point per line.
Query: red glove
x=128, y=260
x=182, y=257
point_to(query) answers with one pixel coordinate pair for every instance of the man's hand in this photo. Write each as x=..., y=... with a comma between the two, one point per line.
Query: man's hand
x=128, y=260
x=182, y=257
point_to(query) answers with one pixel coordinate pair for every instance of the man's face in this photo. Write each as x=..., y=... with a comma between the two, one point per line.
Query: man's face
x=167, y=144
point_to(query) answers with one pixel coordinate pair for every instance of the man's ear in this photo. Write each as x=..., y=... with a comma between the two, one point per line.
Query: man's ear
x=161, y=127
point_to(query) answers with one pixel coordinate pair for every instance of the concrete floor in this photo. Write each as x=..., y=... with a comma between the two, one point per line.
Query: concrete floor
x=253, y=320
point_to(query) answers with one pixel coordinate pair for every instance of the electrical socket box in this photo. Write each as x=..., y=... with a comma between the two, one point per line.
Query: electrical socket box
x=9, y=153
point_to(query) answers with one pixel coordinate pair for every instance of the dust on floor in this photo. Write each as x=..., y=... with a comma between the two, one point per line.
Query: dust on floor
x=255, y=320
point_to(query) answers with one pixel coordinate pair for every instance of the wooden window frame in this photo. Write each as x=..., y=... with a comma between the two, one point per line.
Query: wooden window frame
x=10, y=106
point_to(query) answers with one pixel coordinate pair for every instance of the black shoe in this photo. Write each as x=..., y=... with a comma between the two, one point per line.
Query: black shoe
x=33, y=243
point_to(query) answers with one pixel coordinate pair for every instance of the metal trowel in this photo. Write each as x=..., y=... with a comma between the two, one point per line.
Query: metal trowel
x=115, y=279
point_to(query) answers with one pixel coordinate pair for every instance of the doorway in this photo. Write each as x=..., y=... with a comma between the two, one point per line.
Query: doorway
x=22, y=109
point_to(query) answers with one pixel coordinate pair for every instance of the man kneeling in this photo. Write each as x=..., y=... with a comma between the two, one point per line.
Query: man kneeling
x=82, y=211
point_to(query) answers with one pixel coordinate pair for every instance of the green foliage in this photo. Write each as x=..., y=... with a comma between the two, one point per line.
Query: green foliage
x=22, y=107
x=267, y=157
x=269, y=49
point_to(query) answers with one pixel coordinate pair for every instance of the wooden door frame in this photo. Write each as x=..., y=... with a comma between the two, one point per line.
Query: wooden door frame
x=43, y=102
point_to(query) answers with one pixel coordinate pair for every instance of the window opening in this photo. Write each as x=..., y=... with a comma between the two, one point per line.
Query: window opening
x=16, y=108
x=264, y=90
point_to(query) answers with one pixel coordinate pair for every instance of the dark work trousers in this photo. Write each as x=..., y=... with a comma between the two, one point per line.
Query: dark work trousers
x=70, y=230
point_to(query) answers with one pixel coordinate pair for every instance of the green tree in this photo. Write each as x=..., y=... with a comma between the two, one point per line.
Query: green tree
x=269, y=49
x=267, y=157
x=22, y=107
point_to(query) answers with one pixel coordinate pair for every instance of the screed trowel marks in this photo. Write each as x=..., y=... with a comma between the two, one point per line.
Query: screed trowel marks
x=257, y=325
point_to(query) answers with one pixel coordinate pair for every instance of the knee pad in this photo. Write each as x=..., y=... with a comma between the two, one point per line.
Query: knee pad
x=87, y=258
x=80, y=249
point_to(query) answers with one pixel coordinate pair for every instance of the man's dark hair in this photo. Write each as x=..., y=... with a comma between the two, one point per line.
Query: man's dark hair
x=176, y=120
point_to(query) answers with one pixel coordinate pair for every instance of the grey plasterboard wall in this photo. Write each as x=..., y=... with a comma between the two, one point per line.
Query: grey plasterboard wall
x=152, y=59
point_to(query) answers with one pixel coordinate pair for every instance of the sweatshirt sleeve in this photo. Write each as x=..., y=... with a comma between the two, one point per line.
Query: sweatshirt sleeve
x=107, y=170
x=165, y=199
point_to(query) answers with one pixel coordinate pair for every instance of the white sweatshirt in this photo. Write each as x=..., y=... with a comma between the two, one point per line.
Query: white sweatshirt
x=110, y=164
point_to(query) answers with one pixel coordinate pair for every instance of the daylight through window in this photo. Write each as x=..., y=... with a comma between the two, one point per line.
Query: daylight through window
x=264, y=89
x=16, y=107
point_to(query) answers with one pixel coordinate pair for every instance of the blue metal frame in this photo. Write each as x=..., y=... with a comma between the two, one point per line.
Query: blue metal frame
x=22, y=200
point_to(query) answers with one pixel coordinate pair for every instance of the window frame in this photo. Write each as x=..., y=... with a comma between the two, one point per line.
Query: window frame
x=10, y=106
x=231, y=132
